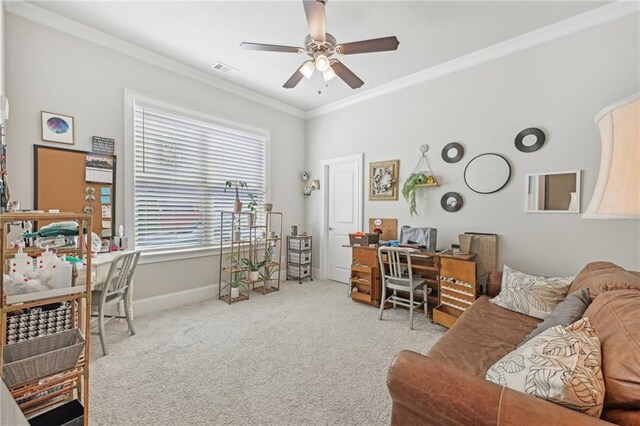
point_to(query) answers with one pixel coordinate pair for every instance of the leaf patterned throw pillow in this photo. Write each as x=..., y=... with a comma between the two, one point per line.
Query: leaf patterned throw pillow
x=561, y=365
x=531, y=295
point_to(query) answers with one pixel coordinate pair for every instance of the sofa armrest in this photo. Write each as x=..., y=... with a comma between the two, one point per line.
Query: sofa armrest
x=429, y=392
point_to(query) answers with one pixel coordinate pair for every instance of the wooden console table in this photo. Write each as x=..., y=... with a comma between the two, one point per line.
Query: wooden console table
x=366, y=283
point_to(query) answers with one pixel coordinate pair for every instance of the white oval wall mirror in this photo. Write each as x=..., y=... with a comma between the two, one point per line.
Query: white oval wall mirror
x=487, y=173
x=556, y=192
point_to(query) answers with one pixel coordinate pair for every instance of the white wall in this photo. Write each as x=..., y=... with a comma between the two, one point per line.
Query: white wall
x=51, y=71
x=558, y=86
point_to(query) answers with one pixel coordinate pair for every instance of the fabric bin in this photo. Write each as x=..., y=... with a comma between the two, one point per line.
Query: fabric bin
x=300, y=272
x=364, y=240
x=299, y=243
x=300, y=258
x=69, y=414
x=43, y=356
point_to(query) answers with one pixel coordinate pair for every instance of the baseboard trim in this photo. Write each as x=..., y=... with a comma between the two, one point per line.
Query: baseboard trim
x=163, y=302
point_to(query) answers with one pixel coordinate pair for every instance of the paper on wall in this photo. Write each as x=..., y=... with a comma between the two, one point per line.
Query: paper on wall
x=106, y=212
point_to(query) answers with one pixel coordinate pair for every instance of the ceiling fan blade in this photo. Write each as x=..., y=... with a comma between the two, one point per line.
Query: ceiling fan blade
x=271, y=48
x=314, y=9
x=294, y=79
x=367, y=46
x=346, y=74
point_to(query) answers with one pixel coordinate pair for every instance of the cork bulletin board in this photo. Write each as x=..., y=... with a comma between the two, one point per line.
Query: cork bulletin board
x=60, y=182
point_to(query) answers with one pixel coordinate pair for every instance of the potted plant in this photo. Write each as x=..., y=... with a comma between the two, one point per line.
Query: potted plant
x=267, y=275
x=410, y=188
x=234, y=257
x=253, y=209
x=272, y=251
x=237, y=233
x=234, y=283
x=236, y=184
x=254, y=268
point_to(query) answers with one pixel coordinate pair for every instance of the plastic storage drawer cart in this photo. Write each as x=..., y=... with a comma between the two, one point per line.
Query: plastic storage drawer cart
x=299, y=256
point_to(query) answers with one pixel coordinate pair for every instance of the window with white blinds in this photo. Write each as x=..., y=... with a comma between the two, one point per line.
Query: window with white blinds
x=181, y=166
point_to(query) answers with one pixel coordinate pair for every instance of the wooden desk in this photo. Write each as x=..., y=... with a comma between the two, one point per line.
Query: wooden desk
x=366, y=276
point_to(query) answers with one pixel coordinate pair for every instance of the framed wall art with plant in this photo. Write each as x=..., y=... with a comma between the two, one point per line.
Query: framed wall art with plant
x=383, y=180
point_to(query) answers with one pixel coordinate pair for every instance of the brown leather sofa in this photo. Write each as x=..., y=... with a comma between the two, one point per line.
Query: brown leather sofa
x=447, y=385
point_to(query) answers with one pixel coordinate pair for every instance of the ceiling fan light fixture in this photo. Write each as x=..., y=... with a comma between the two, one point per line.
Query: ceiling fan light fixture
x=329, y=74
x=322, y=62
x=307, y=69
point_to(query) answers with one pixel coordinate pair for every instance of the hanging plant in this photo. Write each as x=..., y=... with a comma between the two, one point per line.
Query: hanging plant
x=417, y=179
x=410, y=188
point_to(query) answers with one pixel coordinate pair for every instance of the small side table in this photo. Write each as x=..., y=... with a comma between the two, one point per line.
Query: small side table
x=299, y=257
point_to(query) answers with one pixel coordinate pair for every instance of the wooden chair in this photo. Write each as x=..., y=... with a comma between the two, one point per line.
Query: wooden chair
x=116, y=288
x=393, y=279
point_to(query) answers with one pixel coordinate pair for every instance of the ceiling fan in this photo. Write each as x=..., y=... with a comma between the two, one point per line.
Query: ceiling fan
x=321, y=46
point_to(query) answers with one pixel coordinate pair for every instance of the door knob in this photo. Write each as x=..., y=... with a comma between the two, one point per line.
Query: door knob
x=330, y=229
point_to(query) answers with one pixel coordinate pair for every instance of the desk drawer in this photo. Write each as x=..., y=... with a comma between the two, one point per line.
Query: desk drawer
x=464, y=296
x=445, y=315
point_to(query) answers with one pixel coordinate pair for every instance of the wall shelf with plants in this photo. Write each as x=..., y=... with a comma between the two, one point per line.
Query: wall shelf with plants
x=419, y=178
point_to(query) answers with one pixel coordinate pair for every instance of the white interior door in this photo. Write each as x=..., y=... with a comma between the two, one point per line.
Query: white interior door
x=343, y=213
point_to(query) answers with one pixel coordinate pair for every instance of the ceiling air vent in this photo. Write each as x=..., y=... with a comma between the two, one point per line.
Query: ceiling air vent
x=225, y=69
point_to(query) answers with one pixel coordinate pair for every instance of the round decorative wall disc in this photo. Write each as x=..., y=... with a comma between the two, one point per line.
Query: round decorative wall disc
x=451, y=202
x=452, y=152
x=531, y=131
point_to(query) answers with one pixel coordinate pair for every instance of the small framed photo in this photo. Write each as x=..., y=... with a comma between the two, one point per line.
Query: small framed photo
x=383, y=180
x=57, y=128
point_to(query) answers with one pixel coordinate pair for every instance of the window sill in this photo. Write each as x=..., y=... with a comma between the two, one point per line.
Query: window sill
x=180, y=254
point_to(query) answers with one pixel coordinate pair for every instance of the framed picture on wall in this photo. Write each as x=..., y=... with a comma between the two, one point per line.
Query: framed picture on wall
x=383, y=180
x=57, y=128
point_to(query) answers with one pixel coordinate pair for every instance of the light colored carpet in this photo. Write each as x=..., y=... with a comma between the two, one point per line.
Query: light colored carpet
x=305, y=355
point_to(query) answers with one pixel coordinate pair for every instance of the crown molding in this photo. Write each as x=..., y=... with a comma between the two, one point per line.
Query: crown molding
x=50, y=19
x=542, y=35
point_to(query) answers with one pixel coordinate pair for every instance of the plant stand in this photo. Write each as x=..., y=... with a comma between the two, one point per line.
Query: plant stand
x=234, y=233
x=273, y=223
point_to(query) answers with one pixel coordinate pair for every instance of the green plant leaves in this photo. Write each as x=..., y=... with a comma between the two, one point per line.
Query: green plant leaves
x=410, y=187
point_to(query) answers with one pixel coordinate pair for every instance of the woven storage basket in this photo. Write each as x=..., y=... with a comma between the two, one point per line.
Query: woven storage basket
x=486, y=247
x=43, y=356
